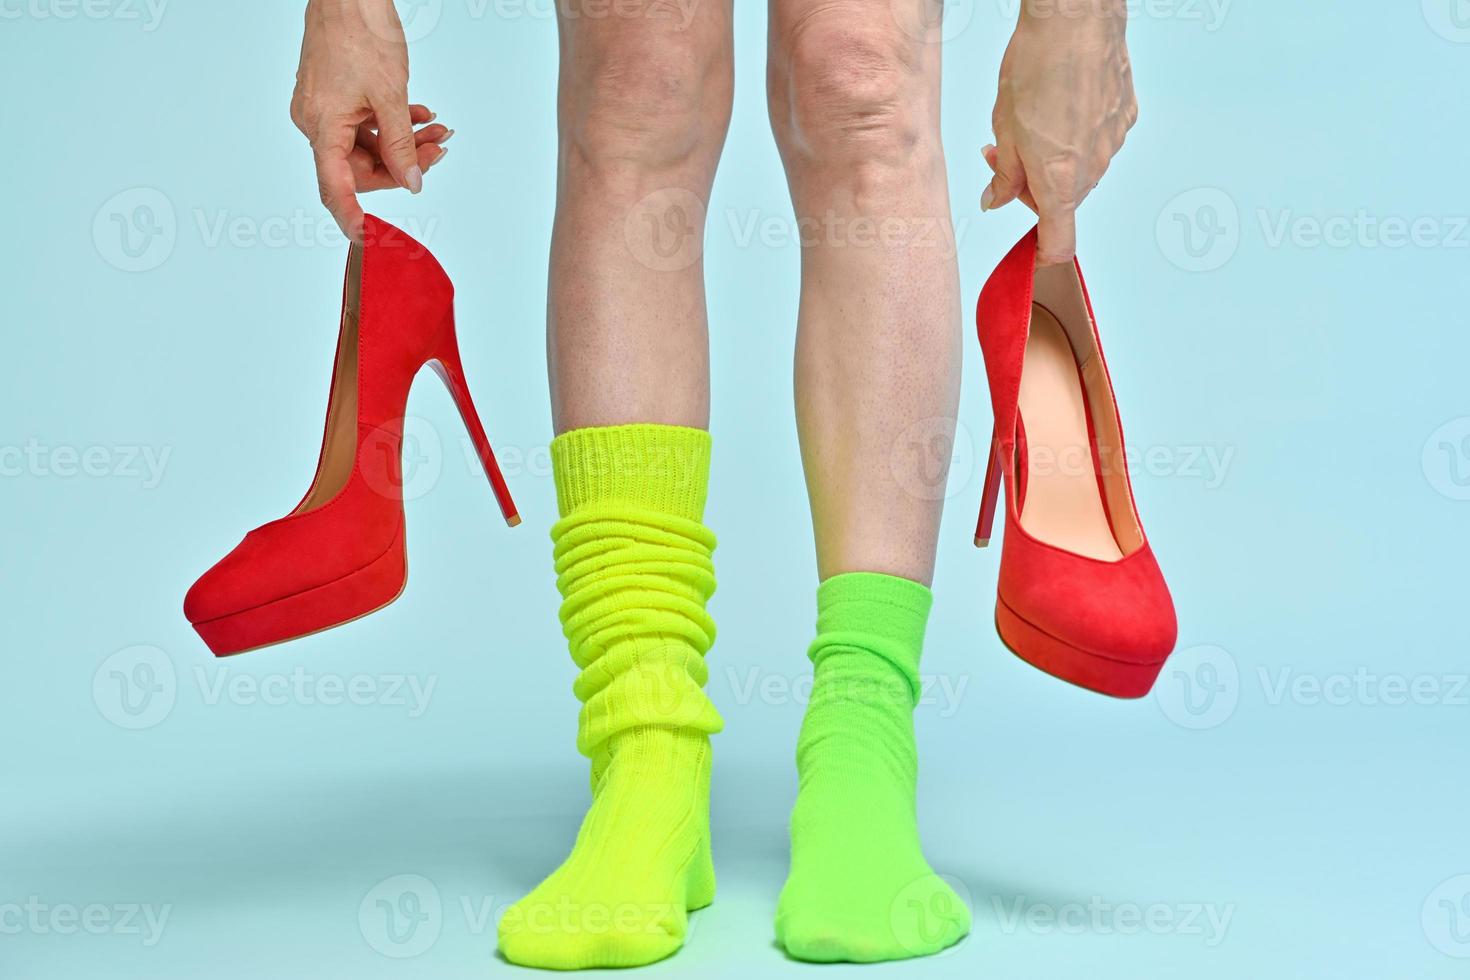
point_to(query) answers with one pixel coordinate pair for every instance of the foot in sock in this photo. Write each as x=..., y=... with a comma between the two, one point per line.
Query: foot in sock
x=634, y=568
x=860, y=889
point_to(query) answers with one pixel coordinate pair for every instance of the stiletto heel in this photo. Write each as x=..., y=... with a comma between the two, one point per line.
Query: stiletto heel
x=988, y=495
x=451, y=371
x=1079, y=592
x=340, y=554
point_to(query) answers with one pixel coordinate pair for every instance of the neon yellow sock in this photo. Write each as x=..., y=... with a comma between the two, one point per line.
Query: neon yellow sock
x=634, y=568
x=859, y=888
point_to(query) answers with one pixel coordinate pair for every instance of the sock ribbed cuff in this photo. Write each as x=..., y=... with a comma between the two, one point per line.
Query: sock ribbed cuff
x=883, y=614
x=661, y=467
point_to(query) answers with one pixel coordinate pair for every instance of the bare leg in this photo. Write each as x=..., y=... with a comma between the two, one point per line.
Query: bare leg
x=644, y=102
x=643, y=106
x=854, y=101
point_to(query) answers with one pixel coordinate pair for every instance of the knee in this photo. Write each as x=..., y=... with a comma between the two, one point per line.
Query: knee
x=856, y=94
x=653, y=105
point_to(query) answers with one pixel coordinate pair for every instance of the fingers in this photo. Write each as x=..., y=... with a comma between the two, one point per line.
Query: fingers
x=991, y=154
x=370, y=174
x=367, y=136
x=1056, y=240
x=433, y=134
x=1055, y=206
x=338, y=189
x=396, y=143
x=1009, y=180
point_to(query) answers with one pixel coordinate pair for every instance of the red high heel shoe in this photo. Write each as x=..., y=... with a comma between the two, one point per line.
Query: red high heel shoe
x=340, y=554
x=1080, y=595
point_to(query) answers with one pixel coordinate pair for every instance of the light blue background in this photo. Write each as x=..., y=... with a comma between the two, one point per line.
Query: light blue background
x=1318, y=563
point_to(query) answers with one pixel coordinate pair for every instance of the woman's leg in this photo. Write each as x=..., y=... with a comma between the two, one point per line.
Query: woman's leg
x=854, y=100
x=644, y=102
x=643, y=105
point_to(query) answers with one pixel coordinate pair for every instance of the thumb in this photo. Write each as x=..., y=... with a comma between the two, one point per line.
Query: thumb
x=1009, y=180
x=396, y=144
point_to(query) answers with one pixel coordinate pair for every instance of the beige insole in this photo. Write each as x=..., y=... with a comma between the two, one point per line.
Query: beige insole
x=1063, y=506
x=339, y=446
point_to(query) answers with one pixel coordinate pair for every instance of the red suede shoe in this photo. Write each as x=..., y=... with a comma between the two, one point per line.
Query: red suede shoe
x=340, y=554
x=1080, y=595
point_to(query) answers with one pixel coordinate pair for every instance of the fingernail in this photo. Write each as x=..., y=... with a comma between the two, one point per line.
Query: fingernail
x=985, y=150
x=446, y=137
x=442, y=150
x=414, y=180
x=987, y=198
x=432, y=117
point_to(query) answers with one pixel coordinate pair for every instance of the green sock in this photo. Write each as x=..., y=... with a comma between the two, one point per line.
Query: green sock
x=859, y=888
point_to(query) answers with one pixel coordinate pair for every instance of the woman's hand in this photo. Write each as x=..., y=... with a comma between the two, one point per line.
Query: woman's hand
x=351, y=101
x=1064, y=107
